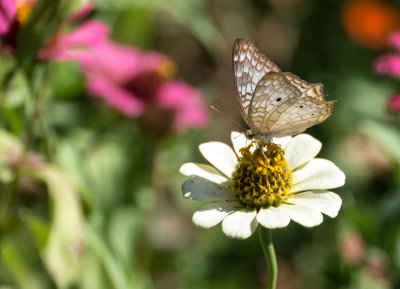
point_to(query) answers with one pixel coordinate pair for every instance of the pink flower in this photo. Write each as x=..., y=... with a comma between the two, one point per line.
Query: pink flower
x=388, y=64
x=8, y=12
x=9, y=24
x=76, y=44
x=394, y=40
x=123, y=77
x=69, y=46
x=376, y=265
x=13, y=15
x=186, y=102
x=352, y=247
x=135, y=83
x=393, y=104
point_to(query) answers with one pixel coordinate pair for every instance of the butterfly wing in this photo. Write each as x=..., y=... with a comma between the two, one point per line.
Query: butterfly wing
x=307, y=89
x=273, y=96
x=304, y=113
x=249, y=66
x=275, y=103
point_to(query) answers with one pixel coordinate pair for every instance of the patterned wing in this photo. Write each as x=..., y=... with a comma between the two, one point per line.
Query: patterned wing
x=307, y=89
x=306, y=112
x=273, y=96
x=249, y=66
x=271, y=102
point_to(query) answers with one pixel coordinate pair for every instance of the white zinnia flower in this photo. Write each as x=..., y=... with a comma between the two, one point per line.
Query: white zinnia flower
x=262, y=183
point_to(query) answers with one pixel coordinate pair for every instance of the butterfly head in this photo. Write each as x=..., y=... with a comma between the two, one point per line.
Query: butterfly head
x=259, y=137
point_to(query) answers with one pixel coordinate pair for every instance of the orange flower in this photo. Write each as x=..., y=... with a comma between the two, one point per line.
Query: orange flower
x=369, y=22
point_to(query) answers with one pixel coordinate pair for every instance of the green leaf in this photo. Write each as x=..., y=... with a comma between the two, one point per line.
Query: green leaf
x=124, y=229
x=193, y=15
x=63, y=250
x=396, y=251
x=38, y=227
x=386, y=136
x=20, y=269
x=120, y=279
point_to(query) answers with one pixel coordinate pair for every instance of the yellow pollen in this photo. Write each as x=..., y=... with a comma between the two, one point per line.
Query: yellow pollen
x=262, y=177
x=24, y=9
x=166, y=69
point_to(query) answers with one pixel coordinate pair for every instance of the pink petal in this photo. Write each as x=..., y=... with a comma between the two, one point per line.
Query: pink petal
x=394, y=104
x=7, y=15
x=388, y=64
x=112, y=69
x=352, y=247
x=89, y=33
x=176, y=94
x=153, y=60
x=196, y=118
x=117, y=62
x=186, y=102
x=74, y=45
x=115, y=96
x=394, y=40
x=121, y=63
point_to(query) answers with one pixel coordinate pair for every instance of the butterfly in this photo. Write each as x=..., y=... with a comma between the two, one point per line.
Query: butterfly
x=274, y=103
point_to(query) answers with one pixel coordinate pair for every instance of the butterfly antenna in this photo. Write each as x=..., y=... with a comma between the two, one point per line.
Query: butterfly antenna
x=228, y=117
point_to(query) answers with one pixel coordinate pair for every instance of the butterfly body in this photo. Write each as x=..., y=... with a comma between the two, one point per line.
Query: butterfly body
x=274, y=103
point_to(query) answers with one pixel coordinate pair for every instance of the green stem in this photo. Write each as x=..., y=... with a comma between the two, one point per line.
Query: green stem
x=270, y=257
x=37, y=96
x=38, y=113
x=10, y=197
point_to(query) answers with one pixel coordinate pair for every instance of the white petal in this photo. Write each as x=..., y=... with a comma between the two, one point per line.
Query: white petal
x=210, y=215
x=282, y=141
x=328, y=203
x=273, y=218
x=239, y=141
x=303, y=215
x=301, y=149
x=201, y=189
x=318, y=174
x=220, y=156
x=204, y=171
x=240, y=224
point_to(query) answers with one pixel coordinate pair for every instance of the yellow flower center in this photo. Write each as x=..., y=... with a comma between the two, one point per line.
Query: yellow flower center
x=262, y=177
x=24, y=9
x=166, y=69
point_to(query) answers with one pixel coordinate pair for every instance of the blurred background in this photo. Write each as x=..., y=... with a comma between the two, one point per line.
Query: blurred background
x=101, y=102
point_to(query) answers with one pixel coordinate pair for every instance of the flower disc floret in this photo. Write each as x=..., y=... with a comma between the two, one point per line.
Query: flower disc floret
x=262, y=177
